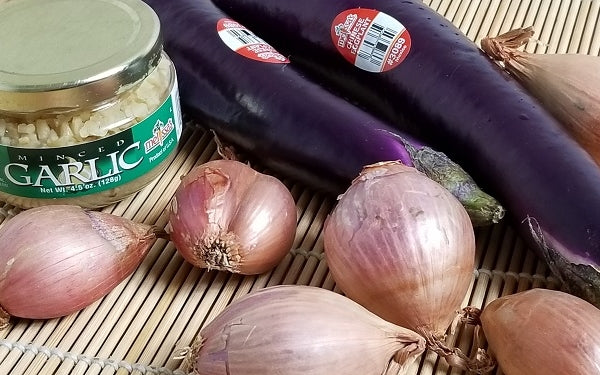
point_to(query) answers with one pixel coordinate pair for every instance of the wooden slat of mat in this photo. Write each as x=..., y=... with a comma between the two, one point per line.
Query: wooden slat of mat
x=580, y=41
x=165, y=303
x=593, y=24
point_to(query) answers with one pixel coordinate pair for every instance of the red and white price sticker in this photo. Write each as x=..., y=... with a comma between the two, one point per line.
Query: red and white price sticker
x=370, y=39
x=246, y=43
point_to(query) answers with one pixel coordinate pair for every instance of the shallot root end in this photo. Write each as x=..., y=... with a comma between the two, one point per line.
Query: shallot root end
x=220, y=252
x=481, y=363
x=190, y=354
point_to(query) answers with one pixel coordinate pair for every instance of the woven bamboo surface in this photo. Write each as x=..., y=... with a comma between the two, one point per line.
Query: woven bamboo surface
x=142, y=325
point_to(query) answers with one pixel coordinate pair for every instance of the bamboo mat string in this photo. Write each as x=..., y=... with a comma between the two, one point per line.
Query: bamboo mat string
x=76, y=358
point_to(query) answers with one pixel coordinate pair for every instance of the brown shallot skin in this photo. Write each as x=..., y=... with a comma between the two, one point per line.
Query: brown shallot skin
x=301, y=330
x=58, y=259
x=227, y=216
x=543, y=332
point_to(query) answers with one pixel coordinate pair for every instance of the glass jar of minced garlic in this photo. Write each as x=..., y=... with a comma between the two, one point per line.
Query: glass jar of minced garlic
x=89, y=106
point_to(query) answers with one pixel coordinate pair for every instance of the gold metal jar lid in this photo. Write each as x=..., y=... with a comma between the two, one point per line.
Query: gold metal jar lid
x=61, y=55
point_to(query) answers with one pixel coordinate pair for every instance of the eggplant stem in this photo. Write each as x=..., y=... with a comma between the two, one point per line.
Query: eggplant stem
x=480, y=363
x=483, y=209
x=4, y=319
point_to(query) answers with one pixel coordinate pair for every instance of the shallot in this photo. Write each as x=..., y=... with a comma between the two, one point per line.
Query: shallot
x=58, y=259
x=227, y=216
x=401, y=245
x=542, y=332
x=568, y=85
x=301, y=330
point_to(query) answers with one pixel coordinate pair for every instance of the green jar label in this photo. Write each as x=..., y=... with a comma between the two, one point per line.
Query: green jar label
x=107, y=163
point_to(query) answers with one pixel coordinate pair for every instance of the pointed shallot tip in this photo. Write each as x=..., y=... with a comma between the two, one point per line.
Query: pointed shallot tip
x=503, y=47
x=224, y=151
x=382, y=168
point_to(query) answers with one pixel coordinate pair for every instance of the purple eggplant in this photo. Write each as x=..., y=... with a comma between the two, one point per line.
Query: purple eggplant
x=292, y=125
x=437, y=84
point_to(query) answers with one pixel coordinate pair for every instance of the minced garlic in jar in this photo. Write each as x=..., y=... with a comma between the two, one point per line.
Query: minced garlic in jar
x=89, y=106
x=87, y=125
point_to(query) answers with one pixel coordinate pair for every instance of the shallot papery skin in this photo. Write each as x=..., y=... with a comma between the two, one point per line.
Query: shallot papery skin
x=402, y=246
x=301, y=330
x=58, y=259
x=227, y=216
x=568, y=85
x=543, y=332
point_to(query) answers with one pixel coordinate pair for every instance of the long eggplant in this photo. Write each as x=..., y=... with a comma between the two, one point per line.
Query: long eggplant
x=411, y=66
x=293, y=125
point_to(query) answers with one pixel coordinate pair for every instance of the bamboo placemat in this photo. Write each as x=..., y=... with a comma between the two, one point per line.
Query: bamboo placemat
x=142, y=325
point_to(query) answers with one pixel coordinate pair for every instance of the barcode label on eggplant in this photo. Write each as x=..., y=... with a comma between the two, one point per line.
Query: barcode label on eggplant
x=369, y=39
x=244, y=42
x=243, y=37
